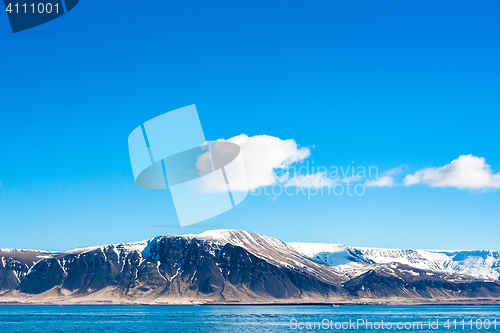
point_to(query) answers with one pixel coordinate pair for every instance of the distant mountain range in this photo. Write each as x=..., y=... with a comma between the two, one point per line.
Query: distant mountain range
x=232, y=266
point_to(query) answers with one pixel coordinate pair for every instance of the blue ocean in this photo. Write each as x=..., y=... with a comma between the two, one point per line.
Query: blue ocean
x=137, y=319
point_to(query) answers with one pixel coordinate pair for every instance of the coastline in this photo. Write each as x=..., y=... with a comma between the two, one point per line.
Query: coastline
x=415, y=302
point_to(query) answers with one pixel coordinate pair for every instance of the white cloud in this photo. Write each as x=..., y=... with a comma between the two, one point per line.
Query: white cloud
x=393, y=172
x=384, y=181
x=466, y=172
x=351, y=179
x=264, y=154
x=268, y=158
x=317, y=180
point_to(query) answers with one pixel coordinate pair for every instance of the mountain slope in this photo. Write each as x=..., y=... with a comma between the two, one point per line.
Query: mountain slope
x=482, y=264
x=16, y=264
x=400, y=280
x=169, y=267
x=226, y=266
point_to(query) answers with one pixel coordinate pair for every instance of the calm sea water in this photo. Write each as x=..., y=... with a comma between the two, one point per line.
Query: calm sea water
x=137, y=319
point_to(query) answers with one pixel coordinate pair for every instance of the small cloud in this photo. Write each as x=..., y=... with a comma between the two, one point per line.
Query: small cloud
x=393, y=172
x=351, y=179
x=316, y=180
x=465, y=172
x=384, y=181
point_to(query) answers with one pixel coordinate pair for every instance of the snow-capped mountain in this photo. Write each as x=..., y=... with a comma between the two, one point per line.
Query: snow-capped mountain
x=270, y=249
x=26, y=250
x=482, y=264
x=15, y=264
x=226, y=266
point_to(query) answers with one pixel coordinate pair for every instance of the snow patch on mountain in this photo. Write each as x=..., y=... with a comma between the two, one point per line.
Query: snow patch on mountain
x=330, y=254
x=27, y=250
x=240, y=238
x=483, y=264
x=126, y=247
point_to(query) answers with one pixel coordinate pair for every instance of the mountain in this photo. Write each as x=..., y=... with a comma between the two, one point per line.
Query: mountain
x=481, y=264
x=16, y=264
x=232, y=266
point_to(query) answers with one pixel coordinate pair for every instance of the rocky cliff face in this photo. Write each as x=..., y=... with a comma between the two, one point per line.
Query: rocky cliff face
x=400, y=280
x=15, y=265
x=179, y=267
x=219, y=266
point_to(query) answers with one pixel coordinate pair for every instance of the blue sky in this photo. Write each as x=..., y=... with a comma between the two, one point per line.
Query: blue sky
x=385, y=83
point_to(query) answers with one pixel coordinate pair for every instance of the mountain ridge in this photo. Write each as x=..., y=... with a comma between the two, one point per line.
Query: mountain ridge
x=467, y=262
x=234, y=266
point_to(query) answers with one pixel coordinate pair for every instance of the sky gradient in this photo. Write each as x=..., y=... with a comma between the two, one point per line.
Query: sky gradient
x=386, y=83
